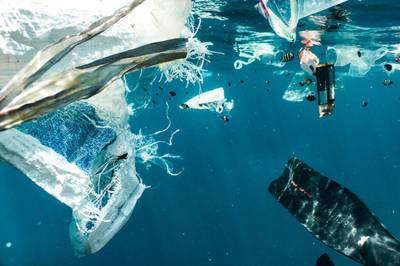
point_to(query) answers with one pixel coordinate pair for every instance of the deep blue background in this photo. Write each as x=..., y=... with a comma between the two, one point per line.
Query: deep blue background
x=218, y=212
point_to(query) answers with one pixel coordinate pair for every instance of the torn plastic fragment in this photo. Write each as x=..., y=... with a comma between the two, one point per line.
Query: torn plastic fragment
x=84, y=156
x=284, y=15
x=334, y=215
x=213, y=100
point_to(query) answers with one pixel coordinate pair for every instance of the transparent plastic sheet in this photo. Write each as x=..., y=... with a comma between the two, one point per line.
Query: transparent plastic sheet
x=284, y=15
x=255, y=46
x=264, y=53
x=210, y=9
x=296, y=95
x=298, y=89
x=360, y=60
x=295, y=92
x=90, y=165
x=30, y=25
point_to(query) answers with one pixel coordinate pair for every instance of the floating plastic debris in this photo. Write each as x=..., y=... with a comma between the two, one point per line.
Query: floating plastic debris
x=83, y=155
x=341, y=220
x=75, y=141
x=298, y=90
x=296, y=95
x=308, y=60
x=29, y=95
x=266, y=56
x=255, y=46
x=60, y=89
x=213, y=100
x=360, y=61
x=283, y=16
x=44, y=22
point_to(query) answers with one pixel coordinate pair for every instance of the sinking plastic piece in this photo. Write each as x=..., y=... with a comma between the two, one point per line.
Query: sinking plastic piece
x=213, y=100
x=334, y=215
x=283, y=15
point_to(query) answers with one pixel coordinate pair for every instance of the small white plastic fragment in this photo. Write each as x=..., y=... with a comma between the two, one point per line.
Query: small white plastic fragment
x=200, y=101
x=213, y=100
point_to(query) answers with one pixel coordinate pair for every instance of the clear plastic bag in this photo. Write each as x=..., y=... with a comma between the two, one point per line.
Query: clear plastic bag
x=360, y=60
x=283, y=15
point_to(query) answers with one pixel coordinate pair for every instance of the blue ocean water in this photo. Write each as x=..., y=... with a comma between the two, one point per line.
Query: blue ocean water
x=218, y=211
